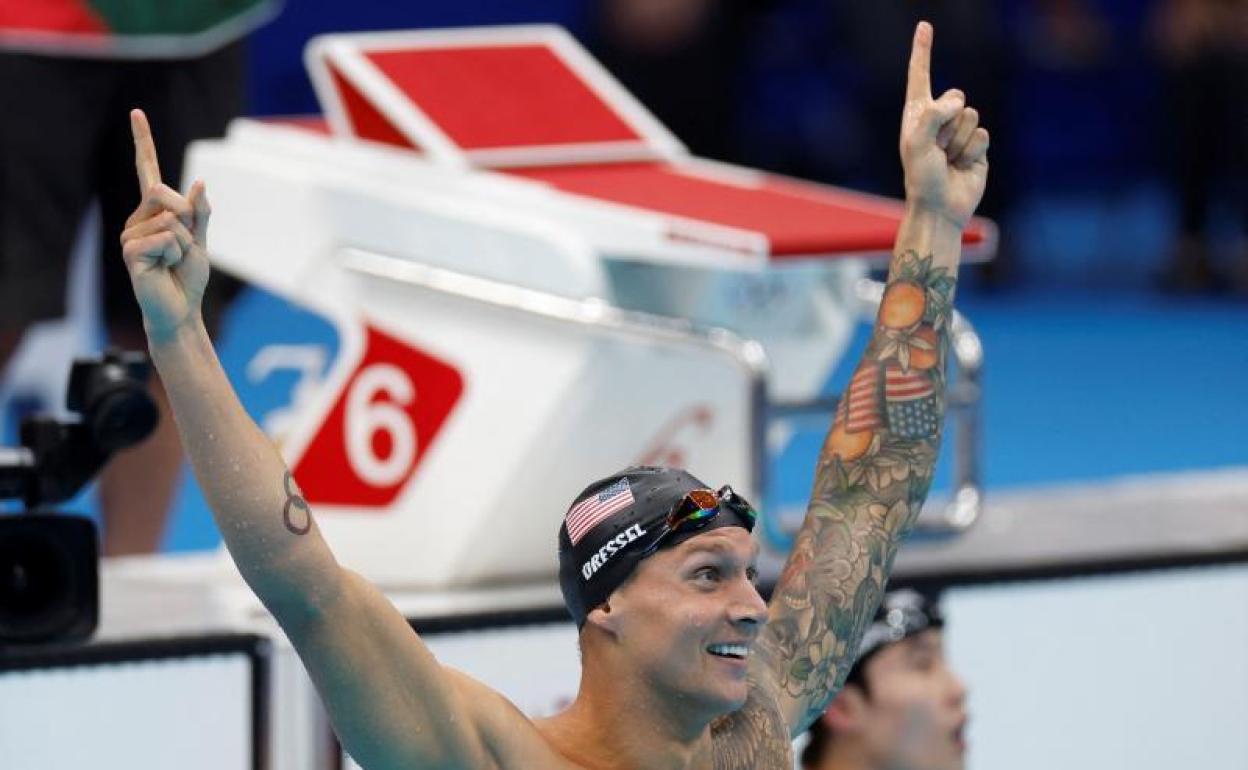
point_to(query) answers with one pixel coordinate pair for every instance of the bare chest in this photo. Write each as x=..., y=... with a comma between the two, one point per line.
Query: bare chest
x=754, y=738
x=737, y=743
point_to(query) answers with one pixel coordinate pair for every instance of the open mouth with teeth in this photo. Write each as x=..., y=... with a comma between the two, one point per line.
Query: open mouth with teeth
x=733, y=651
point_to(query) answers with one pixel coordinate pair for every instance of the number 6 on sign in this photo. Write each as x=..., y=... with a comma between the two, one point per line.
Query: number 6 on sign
x=371, y=442
x=365, y=418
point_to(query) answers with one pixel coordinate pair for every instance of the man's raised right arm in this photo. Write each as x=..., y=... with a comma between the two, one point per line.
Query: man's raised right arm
x=392, y=704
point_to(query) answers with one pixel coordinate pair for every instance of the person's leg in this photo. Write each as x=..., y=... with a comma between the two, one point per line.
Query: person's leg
x=46, y=139
x=138, y=485
x=9, y=340
x=1231, y=80
x=9, y=418
x=184, y=100
x=1193, y=164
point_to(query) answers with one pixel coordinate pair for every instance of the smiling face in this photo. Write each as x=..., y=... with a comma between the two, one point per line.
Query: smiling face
x=914, y=709
x=687, y=619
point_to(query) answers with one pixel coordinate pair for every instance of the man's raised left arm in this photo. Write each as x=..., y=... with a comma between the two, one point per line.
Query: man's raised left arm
x=877, y=462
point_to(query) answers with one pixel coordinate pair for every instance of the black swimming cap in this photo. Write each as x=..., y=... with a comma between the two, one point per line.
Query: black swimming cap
x=614, y=523
x=902, y=613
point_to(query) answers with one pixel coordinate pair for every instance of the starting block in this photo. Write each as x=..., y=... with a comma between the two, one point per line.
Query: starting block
x=495, y=277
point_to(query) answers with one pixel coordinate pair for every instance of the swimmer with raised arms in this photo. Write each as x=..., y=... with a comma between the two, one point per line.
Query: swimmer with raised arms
x=683, y=665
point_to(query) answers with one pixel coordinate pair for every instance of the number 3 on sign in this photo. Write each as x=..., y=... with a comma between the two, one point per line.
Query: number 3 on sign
x=367, y=415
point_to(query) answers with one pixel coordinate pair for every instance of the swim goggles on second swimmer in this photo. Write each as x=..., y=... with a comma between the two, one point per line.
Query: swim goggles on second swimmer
x=698, y=508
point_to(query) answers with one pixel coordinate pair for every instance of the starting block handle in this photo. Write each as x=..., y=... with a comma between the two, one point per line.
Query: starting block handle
x=963, y=398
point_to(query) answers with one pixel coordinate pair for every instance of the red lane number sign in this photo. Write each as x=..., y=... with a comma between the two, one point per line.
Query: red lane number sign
x=382, y=424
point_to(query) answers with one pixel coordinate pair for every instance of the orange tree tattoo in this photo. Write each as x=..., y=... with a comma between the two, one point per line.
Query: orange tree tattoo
x=870, y=482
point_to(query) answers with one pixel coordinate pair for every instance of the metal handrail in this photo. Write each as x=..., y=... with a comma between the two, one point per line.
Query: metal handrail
x=747, y=354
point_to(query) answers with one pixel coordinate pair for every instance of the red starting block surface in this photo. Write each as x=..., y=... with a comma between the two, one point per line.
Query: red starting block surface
x=796, y=218
x=529, y=102
x=513, y=96
x=487, y=97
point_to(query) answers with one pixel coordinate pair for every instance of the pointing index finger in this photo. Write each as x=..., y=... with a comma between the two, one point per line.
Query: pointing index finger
x=919, y=81
x=144, y=152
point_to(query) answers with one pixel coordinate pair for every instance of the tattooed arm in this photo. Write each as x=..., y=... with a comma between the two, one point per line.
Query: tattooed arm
x=390, y=701
x=877, y=461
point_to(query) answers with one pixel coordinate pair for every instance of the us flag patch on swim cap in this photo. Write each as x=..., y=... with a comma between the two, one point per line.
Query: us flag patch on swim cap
x=586, y=514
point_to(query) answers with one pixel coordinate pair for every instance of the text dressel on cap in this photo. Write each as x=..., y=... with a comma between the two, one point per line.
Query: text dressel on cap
x=609, y=549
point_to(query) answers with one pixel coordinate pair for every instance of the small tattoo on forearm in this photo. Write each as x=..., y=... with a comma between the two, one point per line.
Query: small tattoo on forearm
x=295, y=501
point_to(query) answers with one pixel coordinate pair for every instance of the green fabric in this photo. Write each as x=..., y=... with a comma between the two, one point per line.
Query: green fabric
x=169, y=17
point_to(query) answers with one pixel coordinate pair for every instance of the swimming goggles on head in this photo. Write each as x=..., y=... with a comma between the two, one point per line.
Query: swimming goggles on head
x=698, y=507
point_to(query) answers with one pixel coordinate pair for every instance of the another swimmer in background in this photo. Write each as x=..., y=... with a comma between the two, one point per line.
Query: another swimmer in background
x=902, y=707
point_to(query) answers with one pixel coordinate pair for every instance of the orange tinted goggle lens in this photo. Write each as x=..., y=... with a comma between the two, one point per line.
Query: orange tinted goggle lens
x=698, y=505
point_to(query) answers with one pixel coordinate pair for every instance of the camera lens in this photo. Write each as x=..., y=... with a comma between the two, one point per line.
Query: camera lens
x=33, y=577
x=121, y=418
x=47, y=577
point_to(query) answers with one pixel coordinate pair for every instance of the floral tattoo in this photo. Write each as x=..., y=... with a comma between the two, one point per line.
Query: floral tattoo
x=754, y=737
x=870, y=482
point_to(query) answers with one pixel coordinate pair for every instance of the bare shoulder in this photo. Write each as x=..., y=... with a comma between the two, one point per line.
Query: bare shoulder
x=756, y=736
x=511, y=738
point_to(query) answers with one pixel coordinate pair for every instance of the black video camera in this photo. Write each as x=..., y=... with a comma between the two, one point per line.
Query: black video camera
x=49, y=560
